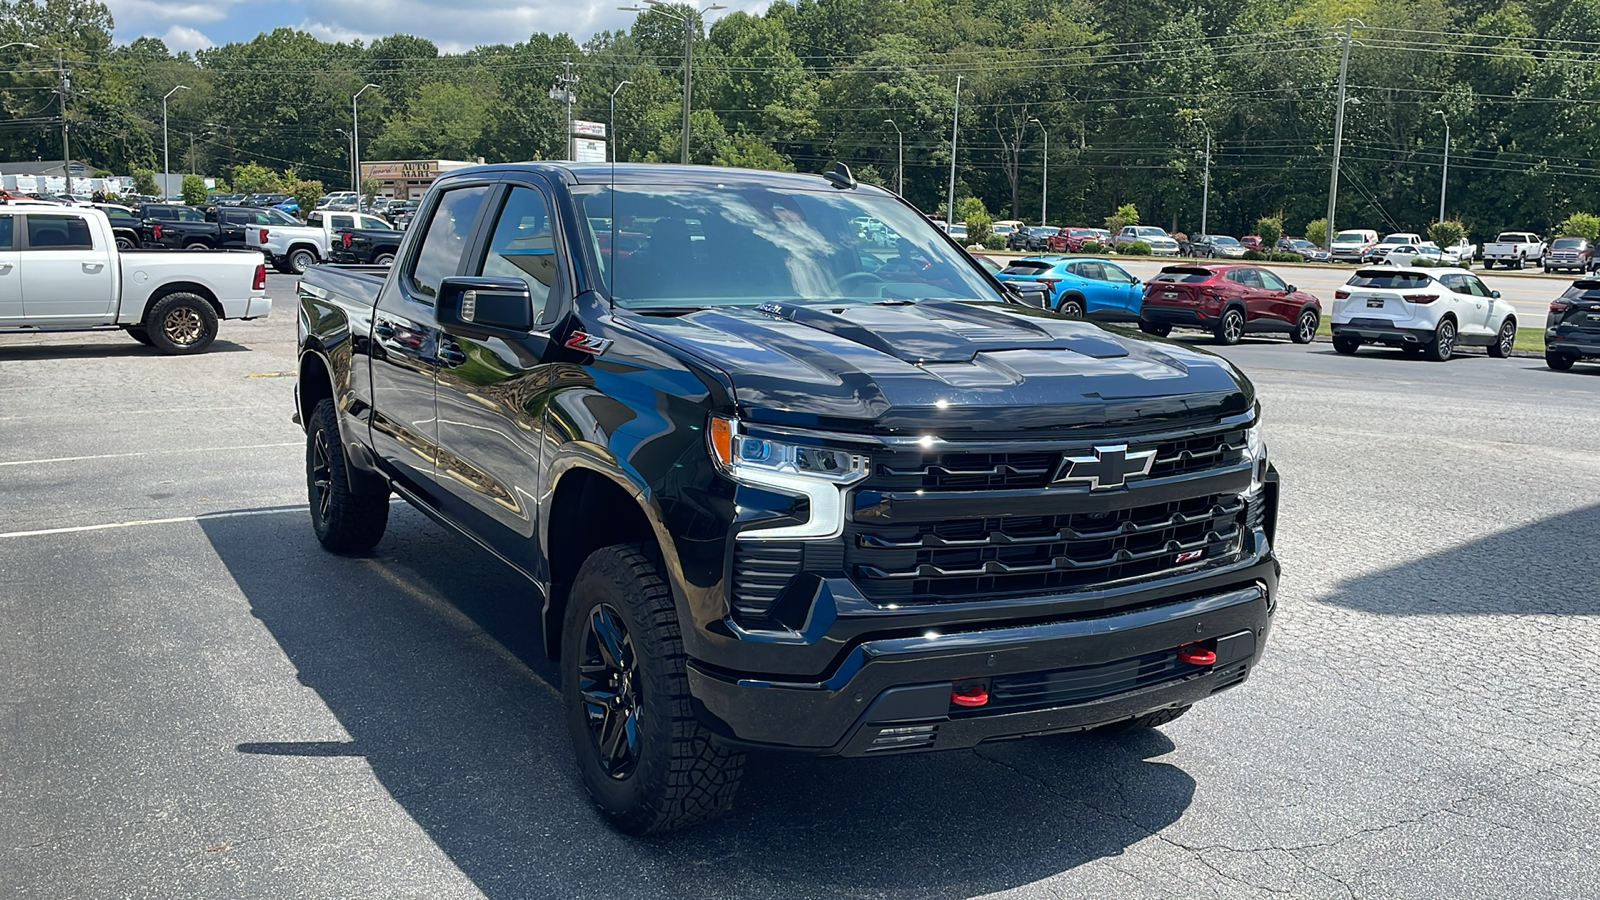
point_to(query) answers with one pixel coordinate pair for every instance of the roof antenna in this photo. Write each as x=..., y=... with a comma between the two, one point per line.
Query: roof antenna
x=840, y=177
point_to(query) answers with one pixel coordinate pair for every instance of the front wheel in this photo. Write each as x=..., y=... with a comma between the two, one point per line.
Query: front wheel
x=181, y=323
x=1230, y=328
x=1345, y=344
x=1560, y=362
x=345, y=522
x=1071, y=306
x=124, y=243
x=1305, y=330
x=1505, y=340
x=645, y=760
x=1159, y=329
x=1443, y=345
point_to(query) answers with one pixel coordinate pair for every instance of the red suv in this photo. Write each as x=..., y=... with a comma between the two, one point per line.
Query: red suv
x=1229, y=301
x=1071, y=240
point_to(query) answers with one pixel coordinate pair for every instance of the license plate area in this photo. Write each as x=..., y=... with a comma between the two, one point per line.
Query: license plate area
x=1375, y=303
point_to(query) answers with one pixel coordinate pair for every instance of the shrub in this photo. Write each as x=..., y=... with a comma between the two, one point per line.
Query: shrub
x=1134, y=248
x=1317, y=232
x=1284, y=256
x=994, y=242
x=1447, y=233
x=194, y=190
x=1091, y=247
x=972, y=211
x=1581, y=225
x=306, y=194
x=144, y=182
x=1269, y=229
x=1255, y=256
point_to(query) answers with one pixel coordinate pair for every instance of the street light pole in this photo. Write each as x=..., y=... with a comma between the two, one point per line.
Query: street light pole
x=355, y=143
x=1205, y=183
x=166, y=161
x=955, y=125
x=1044, y=176
x=614, y=118
x=1338, y=132
x=688, y=53
x=899, y=158
x=1444, y=179
x=350, y=145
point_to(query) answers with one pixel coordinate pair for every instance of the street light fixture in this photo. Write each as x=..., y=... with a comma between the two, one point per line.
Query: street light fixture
x=899, y=158
x=661, y=7
x=355, y=143
x=1444, y=179
x=614, y=92
x=1044, y=192
x=19, y=44
x=166, y=162
x=1205, y=189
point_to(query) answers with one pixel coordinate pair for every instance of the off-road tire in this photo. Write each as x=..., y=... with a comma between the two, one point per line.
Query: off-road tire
x=1230, y=328
x=1505, y=341
x=1559, y=362
x=344, y=521
x=1148, y=720
x=1443, y=345
x=181, y=323
x=1305, y=328
x=1346, y=345
x=138, y=333
x=1159, y=329
x=677, y=777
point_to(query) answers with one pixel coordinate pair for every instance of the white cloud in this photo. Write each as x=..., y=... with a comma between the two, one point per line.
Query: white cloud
x=141, y=14
x=182, y=37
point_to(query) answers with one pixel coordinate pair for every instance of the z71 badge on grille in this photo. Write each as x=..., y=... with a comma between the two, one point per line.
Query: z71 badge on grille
x=1108, y=468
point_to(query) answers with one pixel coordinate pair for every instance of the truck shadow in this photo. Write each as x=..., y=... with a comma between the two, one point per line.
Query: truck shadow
x=1544, y=568
x=428, y=651
x=24, y=352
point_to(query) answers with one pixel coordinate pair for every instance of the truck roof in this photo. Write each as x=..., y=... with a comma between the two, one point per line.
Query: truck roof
x=655, y=173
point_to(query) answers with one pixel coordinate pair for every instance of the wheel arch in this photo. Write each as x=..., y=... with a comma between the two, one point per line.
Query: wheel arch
x=303, y=244
x=588, y=509
x=183, y=287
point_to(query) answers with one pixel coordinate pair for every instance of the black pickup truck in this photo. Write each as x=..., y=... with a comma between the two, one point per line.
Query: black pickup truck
x=365, y=246
x=774, y=488
x=223, y=228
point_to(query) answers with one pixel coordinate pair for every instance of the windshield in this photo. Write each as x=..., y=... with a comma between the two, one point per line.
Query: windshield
x=1224, y=241
x=1149, y=232
x=749, y=244
x=279, y=217
x=1568, y=243
x=1397, y=239
x=1351, y=237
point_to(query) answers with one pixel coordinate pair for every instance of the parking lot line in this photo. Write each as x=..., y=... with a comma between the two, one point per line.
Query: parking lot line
x=61, y=459
x=138, y=523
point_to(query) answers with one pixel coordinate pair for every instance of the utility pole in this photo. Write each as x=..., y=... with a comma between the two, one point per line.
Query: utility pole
x=955, y=126
x=562, y=91
x=689, y=22
x=1205, y=189
x=613, y=132
x=899, y=158
x=355, y=144
x=166, y=160
x=1044, y=176
x=1444, y=179
x=66, y=148
x=1338, y=134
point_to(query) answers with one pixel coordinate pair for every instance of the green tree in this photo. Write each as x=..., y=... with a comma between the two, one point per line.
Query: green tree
x=1449, y=233
x=306, y=194
x=1584, y=225
x=254, y=178
x=194, y=190
x=1317, y=233
x=144, y=182
x=445, y=120
x=972, y=211
x=1269, y=229
x=746, y=151
x=1126, y=214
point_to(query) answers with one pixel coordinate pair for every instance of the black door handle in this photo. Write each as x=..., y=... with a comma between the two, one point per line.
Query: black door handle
x=382, y=329
x=452, y=355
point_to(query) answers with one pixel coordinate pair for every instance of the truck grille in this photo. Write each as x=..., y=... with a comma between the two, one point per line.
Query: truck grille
x=1039, y=690
x=952, y=471
x=993, y=557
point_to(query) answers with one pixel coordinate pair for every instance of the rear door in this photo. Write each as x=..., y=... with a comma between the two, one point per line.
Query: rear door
x=405, y=339
x=1471, y=311
x=491, y=390
x=67, y=276
x=10, y=273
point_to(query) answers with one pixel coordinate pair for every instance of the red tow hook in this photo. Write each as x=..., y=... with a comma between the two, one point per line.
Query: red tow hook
x=1194, y=654
x=970, y=695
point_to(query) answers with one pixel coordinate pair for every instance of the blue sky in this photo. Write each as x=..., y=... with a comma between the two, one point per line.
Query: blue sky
x=453, y=25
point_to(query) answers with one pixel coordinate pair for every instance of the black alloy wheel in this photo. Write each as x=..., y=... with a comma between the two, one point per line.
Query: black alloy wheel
x=1305, y=330
x=344, y=521
x=1443, y=345
x=1230, y=328
x=1505, y=341
x=1071, y=306
x=610, y=685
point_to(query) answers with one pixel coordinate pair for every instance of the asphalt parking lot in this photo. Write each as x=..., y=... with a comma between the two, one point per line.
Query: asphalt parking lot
x=199, y=702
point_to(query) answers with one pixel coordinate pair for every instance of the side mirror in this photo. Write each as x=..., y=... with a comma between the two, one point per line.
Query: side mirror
x=1495, y=294
x=484, y=307
x=1029, y=293
x=1290, y=289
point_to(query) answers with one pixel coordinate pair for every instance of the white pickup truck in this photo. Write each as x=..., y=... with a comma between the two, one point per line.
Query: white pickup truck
x=294, y=248
x=60, y=270
x=1514, y=249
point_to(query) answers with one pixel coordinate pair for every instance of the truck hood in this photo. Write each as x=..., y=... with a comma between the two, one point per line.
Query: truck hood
x=957, y=367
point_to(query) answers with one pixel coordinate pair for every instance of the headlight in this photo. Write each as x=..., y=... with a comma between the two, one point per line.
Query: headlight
x=819, y=474
x=1257, y=448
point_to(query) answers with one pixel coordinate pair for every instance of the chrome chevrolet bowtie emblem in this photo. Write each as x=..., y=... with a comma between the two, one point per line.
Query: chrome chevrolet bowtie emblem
x=1108, y=468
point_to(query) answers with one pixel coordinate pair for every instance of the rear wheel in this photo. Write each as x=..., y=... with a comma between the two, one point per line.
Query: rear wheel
x=1559, y=361
x=1159, y=329
x=1345, y=344
x=1505, y=340
x=300, y=260
x=124, y=242
x=1305, y=330
x=1230, y=328
x=1443, y=345
x=1488, y=264
x=345, y=522
x=383, y=259
x=645, y=759
x=1071, y=306
x=181, y=323
x=197, y=245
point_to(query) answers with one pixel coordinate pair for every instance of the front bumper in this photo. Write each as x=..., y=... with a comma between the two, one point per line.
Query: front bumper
x=893, y=695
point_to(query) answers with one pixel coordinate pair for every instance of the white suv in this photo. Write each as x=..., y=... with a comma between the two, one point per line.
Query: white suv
x=1421, y=311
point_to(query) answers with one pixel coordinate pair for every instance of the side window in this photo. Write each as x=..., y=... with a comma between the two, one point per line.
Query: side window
x=445, y=240
x=1116, y=275
x=6, y=240
x=1474, y=286
x=1457, y=283
x=523, y=246
x=1271, y=282
x=373, y=222
x=342, y=223
x=58, y=233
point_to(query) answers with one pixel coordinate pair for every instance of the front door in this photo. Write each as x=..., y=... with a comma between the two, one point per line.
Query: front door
x=10, y=274
x=405, y=341
x=1279, y=302
x=1126, y=292
x=492, y=391
x=66, y=278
